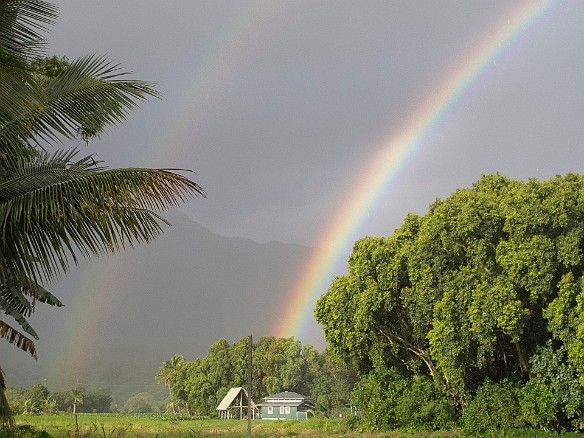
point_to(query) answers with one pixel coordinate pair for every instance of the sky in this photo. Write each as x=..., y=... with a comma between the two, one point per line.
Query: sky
x=279, y=106
x=284, y=109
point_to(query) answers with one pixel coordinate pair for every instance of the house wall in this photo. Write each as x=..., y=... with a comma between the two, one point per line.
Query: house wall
x=279, y=413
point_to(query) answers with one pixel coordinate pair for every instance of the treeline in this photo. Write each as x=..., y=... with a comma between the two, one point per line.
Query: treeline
x=471, y=315
x=37, y=399
x=279, y=364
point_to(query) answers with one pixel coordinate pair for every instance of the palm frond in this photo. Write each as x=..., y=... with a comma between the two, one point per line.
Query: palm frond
x=19, y=318
x=22, y=25
x=18, y=301
x=51, y=209
x=89, y=95
x=15, y=337
x=18, y=99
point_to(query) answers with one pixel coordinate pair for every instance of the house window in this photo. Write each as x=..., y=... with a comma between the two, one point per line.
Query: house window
x=270, y=409
x=287, y=409
x=281, y=409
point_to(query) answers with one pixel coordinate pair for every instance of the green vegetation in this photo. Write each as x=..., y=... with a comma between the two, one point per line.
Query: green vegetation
x=468, y=318
x=113, y=425
x=57, y=206
x=471, y=313
x=149, y=425
x=39, y=400
x=278, y=364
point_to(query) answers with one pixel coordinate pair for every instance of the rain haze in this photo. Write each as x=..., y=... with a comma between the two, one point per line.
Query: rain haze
x=279, y=107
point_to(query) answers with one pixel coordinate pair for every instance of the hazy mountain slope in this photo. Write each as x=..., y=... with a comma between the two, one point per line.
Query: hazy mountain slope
x=127, y=313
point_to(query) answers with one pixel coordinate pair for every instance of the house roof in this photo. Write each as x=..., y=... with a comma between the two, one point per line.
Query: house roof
x=285, y=396
x=281, y=403
x=231, y=395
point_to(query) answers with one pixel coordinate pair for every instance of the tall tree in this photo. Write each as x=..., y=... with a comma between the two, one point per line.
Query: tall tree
x=168, y=374
x=75, y=397
x=55, y=207
x=470, y=290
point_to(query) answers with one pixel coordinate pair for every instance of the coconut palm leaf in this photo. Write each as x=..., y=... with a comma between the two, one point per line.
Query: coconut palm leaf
x=53, y=208
x=15, y=337
x=88, y=95
x=19, y=318
x=56, y=207
x=22, y=25
x=19, y=303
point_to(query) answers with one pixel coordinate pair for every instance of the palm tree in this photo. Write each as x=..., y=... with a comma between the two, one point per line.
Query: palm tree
x=167, y=372
x=56, y=207
x=75, y=398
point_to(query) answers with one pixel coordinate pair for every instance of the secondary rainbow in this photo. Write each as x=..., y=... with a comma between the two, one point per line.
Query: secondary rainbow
x=236, y=34
x=386, y=163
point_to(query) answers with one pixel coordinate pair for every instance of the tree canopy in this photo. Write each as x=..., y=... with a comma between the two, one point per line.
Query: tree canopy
x=473, y=291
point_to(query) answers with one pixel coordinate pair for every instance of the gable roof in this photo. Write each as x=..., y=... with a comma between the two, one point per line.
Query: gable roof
x=231, y=395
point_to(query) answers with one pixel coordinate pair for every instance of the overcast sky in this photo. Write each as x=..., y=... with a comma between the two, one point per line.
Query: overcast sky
x=278, y=105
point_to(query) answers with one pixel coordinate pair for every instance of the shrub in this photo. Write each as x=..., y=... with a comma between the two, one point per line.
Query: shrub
x=538, y=406
x=389, y=401
x=495, y=406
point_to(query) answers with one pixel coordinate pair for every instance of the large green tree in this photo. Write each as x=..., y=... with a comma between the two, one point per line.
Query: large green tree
x=470, y=291
x=57, y=206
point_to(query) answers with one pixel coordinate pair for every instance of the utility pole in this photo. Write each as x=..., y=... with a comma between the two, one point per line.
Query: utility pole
x=249, y=406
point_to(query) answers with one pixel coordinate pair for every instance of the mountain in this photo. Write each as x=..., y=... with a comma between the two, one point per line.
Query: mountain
x=126, y=313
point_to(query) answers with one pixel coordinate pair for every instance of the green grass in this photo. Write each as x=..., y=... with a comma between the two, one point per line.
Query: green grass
x=161, y=425
x=143, y=425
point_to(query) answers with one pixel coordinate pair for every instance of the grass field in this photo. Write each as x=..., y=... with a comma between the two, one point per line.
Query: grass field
x=159, y=425
x=122, y=425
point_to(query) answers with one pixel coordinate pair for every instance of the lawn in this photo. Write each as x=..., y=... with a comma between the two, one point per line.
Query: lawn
x=144, y=425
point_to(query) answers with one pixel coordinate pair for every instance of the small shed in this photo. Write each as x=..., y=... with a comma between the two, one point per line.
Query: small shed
x=234, y=405
x=285, y=406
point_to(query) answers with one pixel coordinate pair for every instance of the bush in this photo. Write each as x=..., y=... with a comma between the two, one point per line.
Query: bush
x=553, y=398
x=538, y=407
x=390, y=401
x=495, y=406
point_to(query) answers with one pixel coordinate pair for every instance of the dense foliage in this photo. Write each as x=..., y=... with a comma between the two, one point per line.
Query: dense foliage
x=478, y=305
x=279, y=364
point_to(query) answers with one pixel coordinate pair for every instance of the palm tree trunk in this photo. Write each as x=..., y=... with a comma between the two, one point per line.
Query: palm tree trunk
x=6, y=418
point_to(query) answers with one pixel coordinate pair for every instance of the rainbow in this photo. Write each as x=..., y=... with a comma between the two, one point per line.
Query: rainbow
x=340, y=233
x=390, y=158
x=197, y=96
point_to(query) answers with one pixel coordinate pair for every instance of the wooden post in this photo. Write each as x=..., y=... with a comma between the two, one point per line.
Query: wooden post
x=249, y=406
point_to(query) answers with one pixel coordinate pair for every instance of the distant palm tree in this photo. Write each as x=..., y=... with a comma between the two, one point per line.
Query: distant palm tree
x=167, y=372
x=56, y=207
x=74, y=398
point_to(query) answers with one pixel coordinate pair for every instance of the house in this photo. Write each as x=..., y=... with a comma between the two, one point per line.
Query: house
x=234, y=405
x=285, y=406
